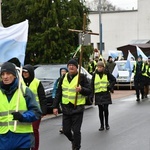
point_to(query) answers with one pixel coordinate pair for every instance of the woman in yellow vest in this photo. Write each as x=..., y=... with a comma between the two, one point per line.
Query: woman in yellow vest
x=90, y=67
x=19, y=137
x=148, y=69
x=37, y=88
x=102, y=83
x=66, y=94
x=139, y=71
x=146, y=79
x=148, y=74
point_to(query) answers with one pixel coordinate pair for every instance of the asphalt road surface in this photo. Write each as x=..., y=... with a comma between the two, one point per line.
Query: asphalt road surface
x=129, y=128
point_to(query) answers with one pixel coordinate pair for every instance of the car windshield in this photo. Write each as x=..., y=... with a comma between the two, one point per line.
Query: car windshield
x=51, y=72
x=48, y=71
x=121, y=66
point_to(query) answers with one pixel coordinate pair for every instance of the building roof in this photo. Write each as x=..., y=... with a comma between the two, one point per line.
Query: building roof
x=142, y=41
x=132, y=47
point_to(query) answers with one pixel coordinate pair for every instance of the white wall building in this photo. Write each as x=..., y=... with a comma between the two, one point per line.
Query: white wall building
x=121, y=27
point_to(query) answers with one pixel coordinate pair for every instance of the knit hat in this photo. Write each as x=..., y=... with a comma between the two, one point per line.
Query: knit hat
x=100, y=63
x=73, y=62
x=140, y=56
x=109, y=57
x=9, y=67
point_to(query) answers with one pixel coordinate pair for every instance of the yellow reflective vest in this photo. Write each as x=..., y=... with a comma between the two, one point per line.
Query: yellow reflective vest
x=6, y=118
x=135, y=65
x=147, y=70
x=101, y=84
x=69, y=92
x=90, y=69
x=33, y=87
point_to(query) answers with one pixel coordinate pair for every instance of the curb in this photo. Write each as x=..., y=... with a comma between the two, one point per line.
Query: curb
x=50, y=116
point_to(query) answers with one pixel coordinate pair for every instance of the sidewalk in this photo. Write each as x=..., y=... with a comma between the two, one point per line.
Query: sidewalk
x=122, y=93
x=116, y=95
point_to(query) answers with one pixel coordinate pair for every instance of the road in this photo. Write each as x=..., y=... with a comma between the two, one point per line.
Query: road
x=129, y=128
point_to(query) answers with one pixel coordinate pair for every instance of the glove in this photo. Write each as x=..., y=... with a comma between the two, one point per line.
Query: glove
x=17, y=116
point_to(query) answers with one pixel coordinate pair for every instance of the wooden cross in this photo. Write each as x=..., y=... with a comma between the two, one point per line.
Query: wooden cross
x=81, y=53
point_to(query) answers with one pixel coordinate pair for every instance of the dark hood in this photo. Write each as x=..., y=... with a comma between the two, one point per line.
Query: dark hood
x=61, y=69
x=30, y=69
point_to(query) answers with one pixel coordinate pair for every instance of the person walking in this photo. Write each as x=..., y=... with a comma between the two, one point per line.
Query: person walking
x=37, y=88
x=102, y=83
x=16, y=132
x=62, y=71
x=72, y=114
x=110, y=65
x=148, y=68
x=94, y=62
x=90, y=66
x=146, y=79
x=139, y=70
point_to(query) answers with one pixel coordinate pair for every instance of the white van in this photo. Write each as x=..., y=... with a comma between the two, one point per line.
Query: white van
x=125, y=76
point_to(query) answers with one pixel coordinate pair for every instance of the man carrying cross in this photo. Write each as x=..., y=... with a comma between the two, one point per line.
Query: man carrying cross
x=72, y=109
x=72, y=89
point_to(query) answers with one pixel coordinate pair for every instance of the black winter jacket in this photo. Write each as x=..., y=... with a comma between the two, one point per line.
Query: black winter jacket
x=103, y=97
x=139, y=70
x=69, y=109
x=40, y=90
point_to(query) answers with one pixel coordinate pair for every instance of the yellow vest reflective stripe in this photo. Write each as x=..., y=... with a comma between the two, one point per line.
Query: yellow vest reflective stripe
x=101, y=84
x=90, y=66
x=34, y=86
x=135, y=65
x=6, y=118
x=145, y=73
x=95, y=63
x=148, y=70
x=69, y=92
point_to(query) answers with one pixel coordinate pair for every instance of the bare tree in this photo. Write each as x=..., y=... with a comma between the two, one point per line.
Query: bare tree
x=105, y=5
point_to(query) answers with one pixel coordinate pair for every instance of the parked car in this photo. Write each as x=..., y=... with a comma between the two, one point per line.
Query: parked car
x=125, y=76
x=48, y=74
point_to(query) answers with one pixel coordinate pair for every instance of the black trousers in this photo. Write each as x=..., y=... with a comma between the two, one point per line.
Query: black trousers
x=139, y=88
x=72, y=128
x=103, y=113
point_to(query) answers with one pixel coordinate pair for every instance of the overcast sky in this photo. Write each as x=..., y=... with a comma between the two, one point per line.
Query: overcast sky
x=126, y=4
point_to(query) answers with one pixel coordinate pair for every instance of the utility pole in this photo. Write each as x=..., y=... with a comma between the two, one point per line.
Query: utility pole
x=0, y=14
x=100, y=28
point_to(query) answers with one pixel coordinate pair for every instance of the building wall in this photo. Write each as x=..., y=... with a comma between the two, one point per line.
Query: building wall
x=120, y=28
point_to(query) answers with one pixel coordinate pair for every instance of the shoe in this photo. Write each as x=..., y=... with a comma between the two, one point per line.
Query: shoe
x=107, y=127
x=137, y=99
x=61, y=131
x=101, y=128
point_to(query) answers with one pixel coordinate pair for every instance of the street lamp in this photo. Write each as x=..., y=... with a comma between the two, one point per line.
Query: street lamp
x=100, y=28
